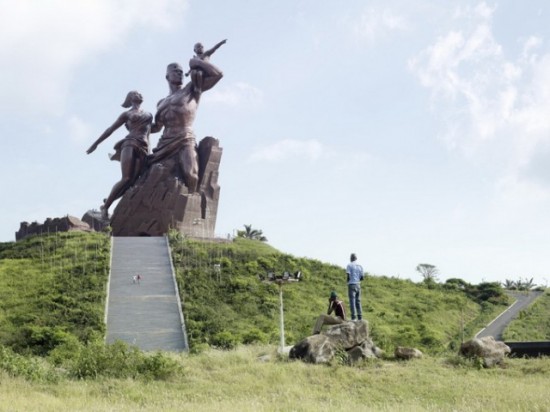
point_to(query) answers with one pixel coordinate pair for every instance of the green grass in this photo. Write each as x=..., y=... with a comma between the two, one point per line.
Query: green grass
x=228, y=306
x=239, y=381
x=52, y=291
x=532, y=324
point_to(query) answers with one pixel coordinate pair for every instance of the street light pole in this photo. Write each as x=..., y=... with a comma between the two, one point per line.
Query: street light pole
x=281, y=319
x=286, y=277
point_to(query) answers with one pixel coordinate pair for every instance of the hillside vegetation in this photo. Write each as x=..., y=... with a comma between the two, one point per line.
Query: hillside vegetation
x=225, y=303
x=532, y=324
x=52, y=291
x=52, y=354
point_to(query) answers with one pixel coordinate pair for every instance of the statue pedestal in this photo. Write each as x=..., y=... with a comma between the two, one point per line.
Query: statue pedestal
x=160, y=201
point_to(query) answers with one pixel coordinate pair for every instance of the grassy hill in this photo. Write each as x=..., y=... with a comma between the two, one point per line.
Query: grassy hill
x=225, y=303
x=52, y=290
x=52, y=355
x=532, y=324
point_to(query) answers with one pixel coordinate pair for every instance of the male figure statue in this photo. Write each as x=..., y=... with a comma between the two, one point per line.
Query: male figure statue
x=176, y=114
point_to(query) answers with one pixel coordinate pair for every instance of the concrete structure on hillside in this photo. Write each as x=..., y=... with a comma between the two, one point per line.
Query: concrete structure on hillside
x=58, y=224
x=90, y=222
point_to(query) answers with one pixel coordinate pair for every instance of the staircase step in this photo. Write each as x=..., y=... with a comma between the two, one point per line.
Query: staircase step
x=146, y=314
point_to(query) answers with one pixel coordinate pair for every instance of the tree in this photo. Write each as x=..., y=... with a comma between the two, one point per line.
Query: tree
x=251, y=233
x=520, y=284
x=510, y=284
x=526, y=284
x=491, y=292
x=457, y=283
x=428, y=272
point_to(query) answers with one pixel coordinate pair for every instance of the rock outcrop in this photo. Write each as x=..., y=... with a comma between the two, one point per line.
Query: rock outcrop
x=351, y=336
x=404, y=353
x=492, y=352
x=95, y=220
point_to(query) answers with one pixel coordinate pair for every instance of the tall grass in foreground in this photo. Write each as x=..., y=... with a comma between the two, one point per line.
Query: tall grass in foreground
x=245, y=380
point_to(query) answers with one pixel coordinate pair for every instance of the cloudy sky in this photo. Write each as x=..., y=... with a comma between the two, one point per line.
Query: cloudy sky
x=407, y=132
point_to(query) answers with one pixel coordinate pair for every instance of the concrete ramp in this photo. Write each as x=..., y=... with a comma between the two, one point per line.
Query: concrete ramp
x=144, y=312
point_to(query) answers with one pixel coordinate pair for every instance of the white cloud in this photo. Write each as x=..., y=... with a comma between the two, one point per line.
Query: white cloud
x=480, y=10
x=374, y=24
x=306, y=149
x=530, y=47
x=490, y=105
x=237, y=95
x=43, y=42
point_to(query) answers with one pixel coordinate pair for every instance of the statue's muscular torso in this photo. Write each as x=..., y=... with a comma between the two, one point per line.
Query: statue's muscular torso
x=177, y=112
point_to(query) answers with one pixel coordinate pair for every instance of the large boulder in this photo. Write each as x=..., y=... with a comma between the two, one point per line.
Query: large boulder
x=351, y=336
x=95, y=220
x=491, y=351
x=314, y=349
x=404, y=353
x=366, y=350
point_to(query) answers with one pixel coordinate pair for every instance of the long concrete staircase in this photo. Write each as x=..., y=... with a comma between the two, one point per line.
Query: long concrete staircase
x=145, y=313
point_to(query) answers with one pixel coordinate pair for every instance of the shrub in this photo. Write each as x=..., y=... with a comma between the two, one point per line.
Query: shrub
x=66, y=352
x=225, y=340
x=255, y=336
x=118, y=360
x=43, y=339
x=29, y=368
x=158, y=367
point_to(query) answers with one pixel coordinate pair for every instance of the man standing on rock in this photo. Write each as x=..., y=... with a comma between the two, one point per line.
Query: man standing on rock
x=176, y=114
x=355, y=275
x=334, y=305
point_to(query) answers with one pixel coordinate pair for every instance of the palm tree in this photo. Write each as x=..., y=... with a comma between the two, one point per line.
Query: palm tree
x=250, y=233
x=510, y=284
x=526, y=284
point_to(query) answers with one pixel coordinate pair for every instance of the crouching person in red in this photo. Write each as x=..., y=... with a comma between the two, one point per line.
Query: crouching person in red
x=334, y=305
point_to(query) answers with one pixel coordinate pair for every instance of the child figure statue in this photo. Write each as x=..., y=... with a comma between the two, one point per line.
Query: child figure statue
x=199, y=71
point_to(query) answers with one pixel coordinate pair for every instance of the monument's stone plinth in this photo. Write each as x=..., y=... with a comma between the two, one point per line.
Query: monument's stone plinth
x=159, y=200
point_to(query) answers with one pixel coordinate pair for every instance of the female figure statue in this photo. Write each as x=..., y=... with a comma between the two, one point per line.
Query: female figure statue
x=130, y=151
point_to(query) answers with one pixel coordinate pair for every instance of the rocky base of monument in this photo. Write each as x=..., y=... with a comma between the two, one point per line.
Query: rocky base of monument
x=160, y=201
x=351, y=336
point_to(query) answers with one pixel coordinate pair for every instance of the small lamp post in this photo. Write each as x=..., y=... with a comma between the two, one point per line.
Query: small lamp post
x=280, y=280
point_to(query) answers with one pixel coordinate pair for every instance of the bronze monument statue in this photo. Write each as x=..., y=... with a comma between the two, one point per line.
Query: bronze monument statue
x=176, y=185
x=130, y=151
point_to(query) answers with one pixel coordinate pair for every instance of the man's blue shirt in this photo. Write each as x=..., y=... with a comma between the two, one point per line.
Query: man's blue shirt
x=355, y=273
